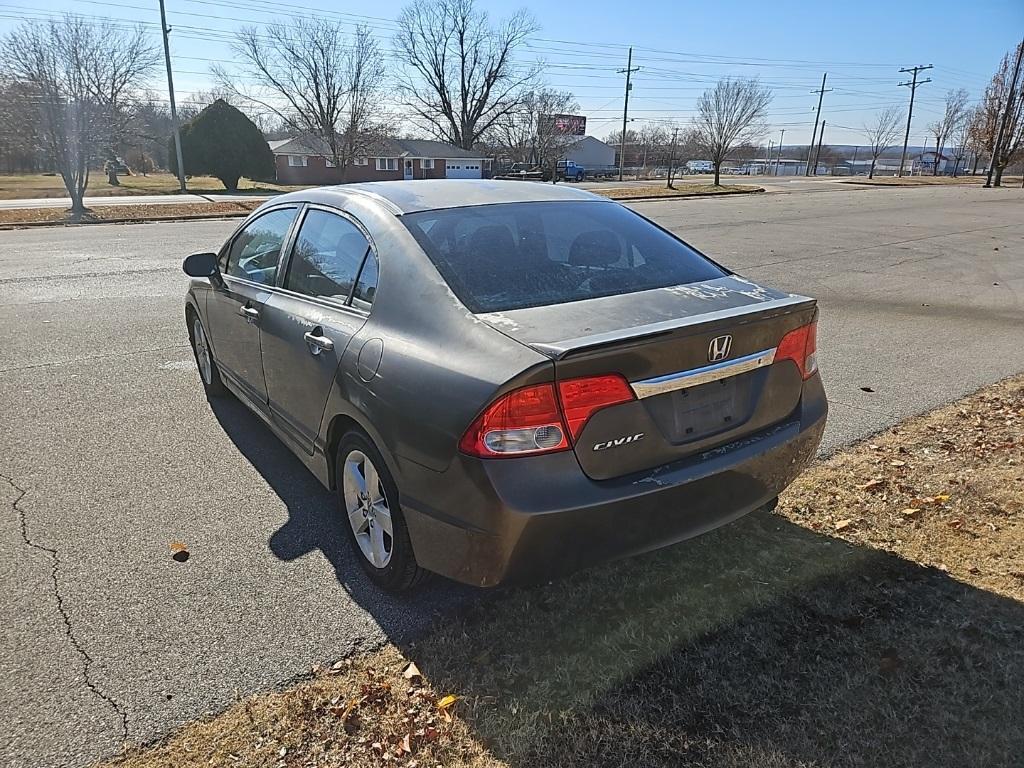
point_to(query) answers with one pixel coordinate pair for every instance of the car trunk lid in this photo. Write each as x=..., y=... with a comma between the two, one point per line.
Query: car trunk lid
x=699, y=358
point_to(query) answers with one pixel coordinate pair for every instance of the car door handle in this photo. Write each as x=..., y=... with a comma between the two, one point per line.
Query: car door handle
x=317, y=343
x=249, y=313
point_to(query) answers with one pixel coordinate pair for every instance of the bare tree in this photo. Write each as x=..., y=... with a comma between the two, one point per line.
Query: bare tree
x=1005, y=97
x=314, y=78
x=83, y=76
x=882, y=133
x=528, y=135
x=459, y=74
x=953, y=115
x=731, y=113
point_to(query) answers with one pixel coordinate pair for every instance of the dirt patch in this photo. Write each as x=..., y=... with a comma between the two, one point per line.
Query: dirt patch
x=679, y=190
x=876, y=617
x=113, y=213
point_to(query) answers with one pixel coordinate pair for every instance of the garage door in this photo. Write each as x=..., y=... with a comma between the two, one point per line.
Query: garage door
x=462, y=169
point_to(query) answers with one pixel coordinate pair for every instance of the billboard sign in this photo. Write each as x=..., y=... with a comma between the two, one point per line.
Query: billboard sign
x=569, y=125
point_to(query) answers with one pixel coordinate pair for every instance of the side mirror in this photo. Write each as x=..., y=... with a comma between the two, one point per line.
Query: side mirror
x=200, y=265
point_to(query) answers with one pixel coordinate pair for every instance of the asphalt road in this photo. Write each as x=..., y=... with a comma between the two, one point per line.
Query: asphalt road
x=110, y=452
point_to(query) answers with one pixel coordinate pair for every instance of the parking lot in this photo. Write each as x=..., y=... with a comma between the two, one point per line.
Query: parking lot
x=112, y=453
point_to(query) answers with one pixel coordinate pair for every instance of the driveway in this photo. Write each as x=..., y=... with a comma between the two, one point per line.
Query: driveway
x=112, y=453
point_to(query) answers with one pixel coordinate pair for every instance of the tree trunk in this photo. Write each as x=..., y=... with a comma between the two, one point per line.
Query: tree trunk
x=230, y=183
x=997, y=181
x=112, y=177
x=718, y=172
x=974, y=168
x=871, y=173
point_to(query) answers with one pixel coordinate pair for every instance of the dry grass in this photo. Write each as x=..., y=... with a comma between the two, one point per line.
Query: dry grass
x=13, y=187
x=679, y=190
x=146, y=212
x=927, y=181
x=841, y=631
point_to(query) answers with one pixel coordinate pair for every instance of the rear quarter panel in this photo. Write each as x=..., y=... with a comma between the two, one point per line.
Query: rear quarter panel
x=440, y=365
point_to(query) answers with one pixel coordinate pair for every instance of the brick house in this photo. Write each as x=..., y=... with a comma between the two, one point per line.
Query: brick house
x=306, y=161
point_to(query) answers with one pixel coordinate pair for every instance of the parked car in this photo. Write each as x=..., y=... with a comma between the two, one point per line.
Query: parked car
x=504, y=381
x=700, y=166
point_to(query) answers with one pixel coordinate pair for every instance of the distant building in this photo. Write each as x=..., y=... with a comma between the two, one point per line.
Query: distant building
x=591, y=153
x=307, y=161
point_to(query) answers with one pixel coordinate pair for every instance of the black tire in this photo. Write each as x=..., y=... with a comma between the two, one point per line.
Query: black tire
x=401, y=571
x=210, y=376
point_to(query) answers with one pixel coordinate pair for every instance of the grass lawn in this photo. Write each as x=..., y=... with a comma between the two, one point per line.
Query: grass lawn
x=927, y=181
x=150, y=212
x=14, y=187
x=876, y=618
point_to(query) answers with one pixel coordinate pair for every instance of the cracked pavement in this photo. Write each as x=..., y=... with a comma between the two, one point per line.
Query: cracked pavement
x=110, y=452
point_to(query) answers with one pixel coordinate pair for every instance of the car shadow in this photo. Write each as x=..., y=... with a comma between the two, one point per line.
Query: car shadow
x=315, y=524
x=763, y=643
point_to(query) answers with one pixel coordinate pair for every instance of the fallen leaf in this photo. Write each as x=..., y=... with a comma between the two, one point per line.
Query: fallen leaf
x=866, y=389
x=844, y=525
x=412, y=672
x=897, y=463
x=910, y=512
x=179, y=552
x=406, y=745
x=872, y=485
x=446, y=701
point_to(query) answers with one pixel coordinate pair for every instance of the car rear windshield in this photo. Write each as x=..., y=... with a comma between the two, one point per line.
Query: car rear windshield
x=515, y=255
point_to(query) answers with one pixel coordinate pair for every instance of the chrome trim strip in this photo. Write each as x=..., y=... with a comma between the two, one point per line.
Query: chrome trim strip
x=670, y=382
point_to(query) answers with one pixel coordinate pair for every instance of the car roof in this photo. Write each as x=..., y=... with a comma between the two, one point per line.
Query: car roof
x=431, y=194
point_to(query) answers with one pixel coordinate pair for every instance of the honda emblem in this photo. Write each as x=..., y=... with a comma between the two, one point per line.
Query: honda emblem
x=719, y=348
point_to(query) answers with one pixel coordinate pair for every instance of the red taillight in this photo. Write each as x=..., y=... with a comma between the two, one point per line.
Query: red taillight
x=582, y=398
x=800, y=346
x=524, y=421
x=534, y=420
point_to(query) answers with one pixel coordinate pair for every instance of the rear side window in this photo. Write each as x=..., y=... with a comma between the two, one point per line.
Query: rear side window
x=516, y=255
x=256, y=250
x=328, y=253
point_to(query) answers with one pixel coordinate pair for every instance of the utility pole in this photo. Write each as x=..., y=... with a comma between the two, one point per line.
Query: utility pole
x=817, y=155
x=810, y=149
x=1010, y=99
x=170, y=91
x=768, y=158
x=628, y=71
x=778, y=155
x=672, y=158
x=853, y=163
x=910, y=112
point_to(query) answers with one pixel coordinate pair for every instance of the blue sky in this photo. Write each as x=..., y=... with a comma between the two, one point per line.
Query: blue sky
x=681, y=48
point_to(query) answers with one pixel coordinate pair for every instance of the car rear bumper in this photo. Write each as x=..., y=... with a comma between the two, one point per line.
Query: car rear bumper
x=492, y=522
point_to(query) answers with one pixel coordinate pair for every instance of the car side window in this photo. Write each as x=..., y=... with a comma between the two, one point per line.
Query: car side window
x=366, y=287
x=328, y=253
x=256, y=250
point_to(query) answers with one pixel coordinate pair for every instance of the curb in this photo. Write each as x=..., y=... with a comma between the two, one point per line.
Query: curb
x=685, y=195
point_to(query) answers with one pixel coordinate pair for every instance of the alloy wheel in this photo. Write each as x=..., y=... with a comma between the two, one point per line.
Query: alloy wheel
x=367, y=508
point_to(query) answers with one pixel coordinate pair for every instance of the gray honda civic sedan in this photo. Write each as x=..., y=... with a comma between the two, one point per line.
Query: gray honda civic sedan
x=502, y=380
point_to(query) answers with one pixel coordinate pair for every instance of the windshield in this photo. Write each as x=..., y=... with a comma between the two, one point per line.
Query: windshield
x=515, y=255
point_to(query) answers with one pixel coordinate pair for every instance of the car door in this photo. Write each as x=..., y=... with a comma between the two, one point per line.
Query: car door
x=249, y=266
x=324, y=299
